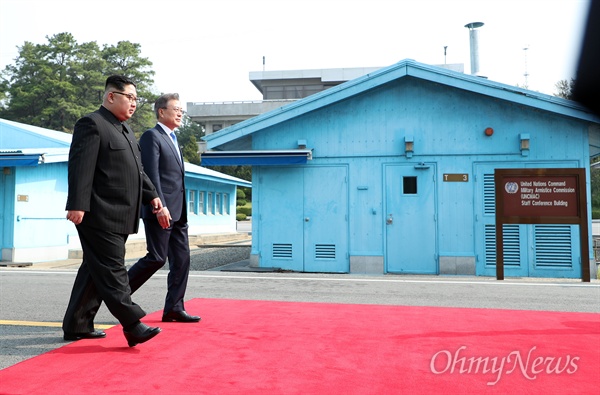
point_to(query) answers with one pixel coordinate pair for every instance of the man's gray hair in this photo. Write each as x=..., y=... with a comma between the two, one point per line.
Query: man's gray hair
x=163, y=100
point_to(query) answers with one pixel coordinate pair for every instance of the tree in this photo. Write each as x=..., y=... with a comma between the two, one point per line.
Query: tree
x=190, y=151
x=125, y=59
x=565, y=89
x=188, y=135
x=39, y=86
x=243, y=172
x=52, y=85
x=595, y=192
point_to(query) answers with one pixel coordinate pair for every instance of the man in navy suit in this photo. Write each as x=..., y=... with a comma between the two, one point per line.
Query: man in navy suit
x=107, y=186
x=163, y=163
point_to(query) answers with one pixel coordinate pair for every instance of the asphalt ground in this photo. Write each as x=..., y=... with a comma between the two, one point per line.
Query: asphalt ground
x=33, y=299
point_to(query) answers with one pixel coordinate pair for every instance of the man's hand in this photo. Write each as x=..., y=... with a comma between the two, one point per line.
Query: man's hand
x=75, y=216
x=156, y=205
x=164, y=217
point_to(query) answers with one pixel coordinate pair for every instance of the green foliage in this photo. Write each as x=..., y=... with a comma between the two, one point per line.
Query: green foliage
x=565, y=89
x=247, y=191
x=243, y=206
x=188, y=135
x=243, y=172
x=190, y=150
x=52, y=85
x=243, y=196
x=124, y=58
x=247, y=210
x=595, y=192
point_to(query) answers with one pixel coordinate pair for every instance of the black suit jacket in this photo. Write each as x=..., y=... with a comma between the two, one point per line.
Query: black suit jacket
x=166, y=171
x=106, y=177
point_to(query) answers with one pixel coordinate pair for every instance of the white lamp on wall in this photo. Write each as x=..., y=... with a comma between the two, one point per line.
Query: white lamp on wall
x=409, y=146
x=524, y=143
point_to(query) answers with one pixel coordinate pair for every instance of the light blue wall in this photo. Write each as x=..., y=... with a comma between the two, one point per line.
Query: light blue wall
x=40, y=221
x=367, y=132
x=219, y=218
x=35, y=229
x=33, y=225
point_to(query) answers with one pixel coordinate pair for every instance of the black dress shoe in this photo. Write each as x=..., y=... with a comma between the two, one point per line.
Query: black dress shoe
x=139, y=334
x=179, y=316
x=87, y=335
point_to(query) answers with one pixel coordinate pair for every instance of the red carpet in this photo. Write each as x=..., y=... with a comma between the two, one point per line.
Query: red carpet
x=261, y=347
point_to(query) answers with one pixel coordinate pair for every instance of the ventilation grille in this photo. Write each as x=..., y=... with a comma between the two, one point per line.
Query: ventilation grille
x=325, y=251
x=489, y=195
x=282, y=251
x=490, y=245
x=553, y=246
x=512, y=248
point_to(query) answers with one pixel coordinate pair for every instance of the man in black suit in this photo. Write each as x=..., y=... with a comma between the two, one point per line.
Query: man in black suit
x=163, y=163
x=107, y=186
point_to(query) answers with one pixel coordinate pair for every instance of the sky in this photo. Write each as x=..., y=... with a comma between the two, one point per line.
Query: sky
x=205, y=49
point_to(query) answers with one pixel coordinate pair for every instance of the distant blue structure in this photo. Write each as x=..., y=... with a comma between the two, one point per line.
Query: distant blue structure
x=393, y=172
x=33, y=193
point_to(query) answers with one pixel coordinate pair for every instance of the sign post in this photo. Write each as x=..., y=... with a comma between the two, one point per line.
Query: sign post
x=541, y=196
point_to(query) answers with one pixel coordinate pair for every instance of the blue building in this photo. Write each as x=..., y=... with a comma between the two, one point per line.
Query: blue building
x=33, y=194
x=393, y=172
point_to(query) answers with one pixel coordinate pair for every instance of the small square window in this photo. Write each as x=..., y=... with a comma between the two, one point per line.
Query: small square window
x=218, y=203
x=226, y=203
x=210, y=209
x=409, y=185
x=201, y=202
x=192, y=202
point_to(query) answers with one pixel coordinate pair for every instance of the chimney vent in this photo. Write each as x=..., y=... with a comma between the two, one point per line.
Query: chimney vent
x=474, y=41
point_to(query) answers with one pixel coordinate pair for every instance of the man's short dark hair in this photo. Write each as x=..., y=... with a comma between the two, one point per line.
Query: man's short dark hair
x=118, y=82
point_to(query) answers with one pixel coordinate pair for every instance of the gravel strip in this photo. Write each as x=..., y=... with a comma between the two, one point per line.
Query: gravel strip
x=206, y=258
x=209, y=258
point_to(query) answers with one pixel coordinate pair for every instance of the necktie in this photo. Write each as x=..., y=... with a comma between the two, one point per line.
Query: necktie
x=174, y=137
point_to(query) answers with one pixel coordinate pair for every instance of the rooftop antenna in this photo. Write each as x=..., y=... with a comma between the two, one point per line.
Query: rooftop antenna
x=474, y=41
x=263, y=63
x=445, y=47
x=526, y=74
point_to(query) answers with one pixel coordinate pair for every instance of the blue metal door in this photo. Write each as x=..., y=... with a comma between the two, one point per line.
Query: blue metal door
x=326, y=219
x=280, y=217
x=515, y=241
x=411, y=239
x=303, y=218
x=7, y=198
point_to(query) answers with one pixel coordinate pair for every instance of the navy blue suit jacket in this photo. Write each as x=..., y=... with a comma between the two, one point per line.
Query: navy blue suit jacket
x=164, y=168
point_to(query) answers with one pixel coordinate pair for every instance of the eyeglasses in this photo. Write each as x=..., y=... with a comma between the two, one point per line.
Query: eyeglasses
x=131, y=97
x=176, y=109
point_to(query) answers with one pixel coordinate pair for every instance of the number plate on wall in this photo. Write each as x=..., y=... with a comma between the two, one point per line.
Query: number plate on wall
x=456, y=177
